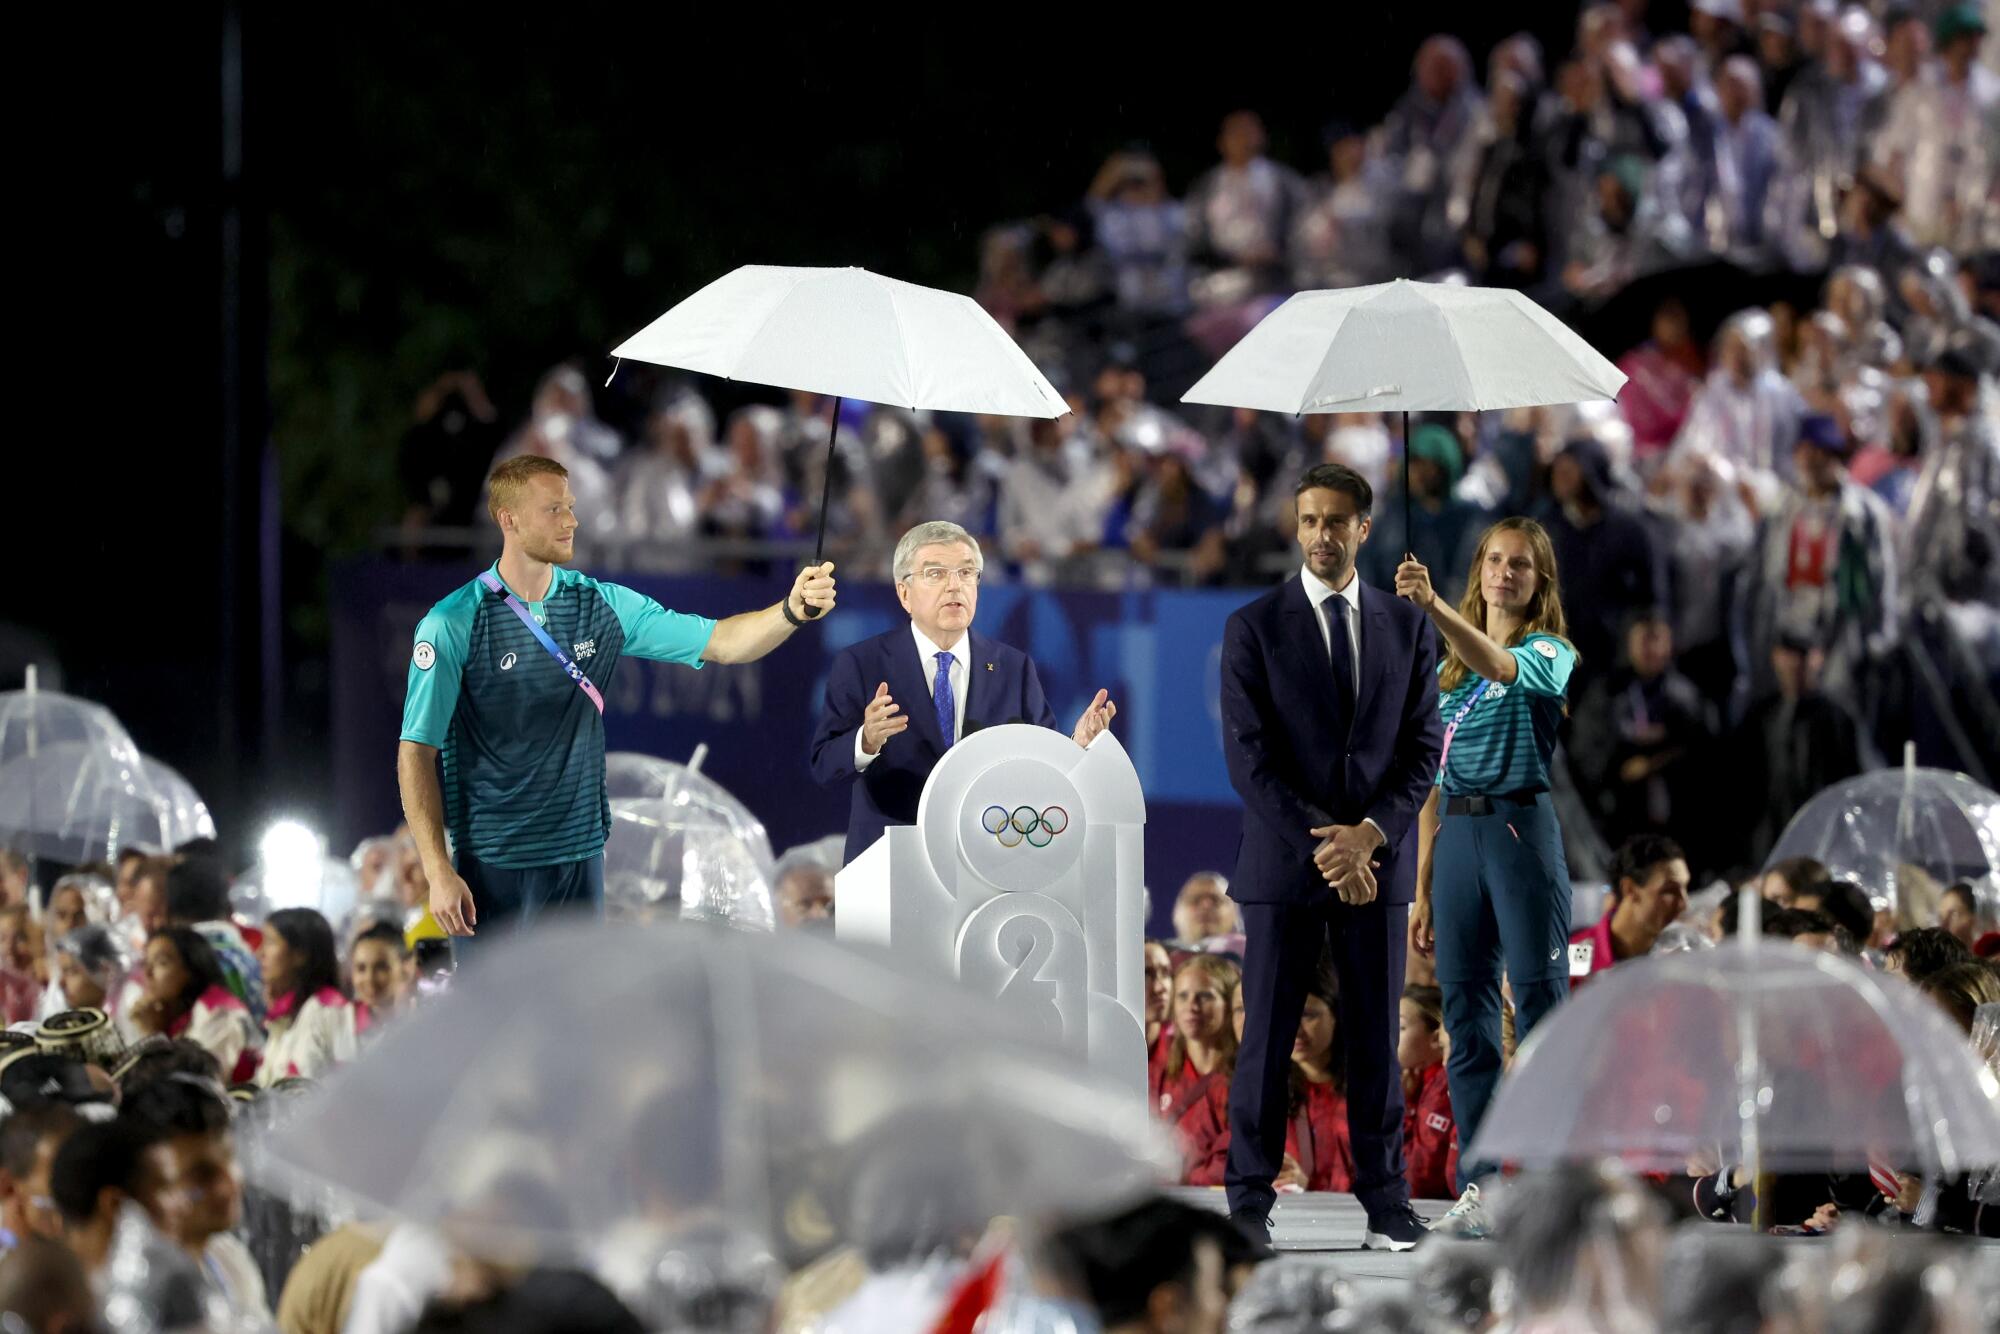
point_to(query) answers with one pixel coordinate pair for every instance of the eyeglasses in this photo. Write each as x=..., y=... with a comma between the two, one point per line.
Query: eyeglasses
x=935, y=575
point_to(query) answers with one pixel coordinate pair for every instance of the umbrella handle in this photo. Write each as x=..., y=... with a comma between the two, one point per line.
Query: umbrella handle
x=825, y=492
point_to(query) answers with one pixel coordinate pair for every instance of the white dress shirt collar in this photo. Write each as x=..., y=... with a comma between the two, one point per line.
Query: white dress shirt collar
x=927, y=651
x=1319, y=590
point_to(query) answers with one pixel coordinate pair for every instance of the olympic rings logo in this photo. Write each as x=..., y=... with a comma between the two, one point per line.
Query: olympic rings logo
x=1024, y=824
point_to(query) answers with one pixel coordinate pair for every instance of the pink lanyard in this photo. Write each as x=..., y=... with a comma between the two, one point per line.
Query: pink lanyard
x=1452, y=729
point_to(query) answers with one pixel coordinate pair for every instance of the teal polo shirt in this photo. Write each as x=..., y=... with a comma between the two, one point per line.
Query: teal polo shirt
x=1504, y=742
x=522, y=747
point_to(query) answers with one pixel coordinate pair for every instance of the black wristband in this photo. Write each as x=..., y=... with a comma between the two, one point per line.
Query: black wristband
x=786, y=607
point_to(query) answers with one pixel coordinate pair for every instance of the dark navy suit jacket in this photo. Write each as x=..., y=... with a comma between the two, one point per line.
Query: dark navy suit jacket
x=1298, y=765
x=1002, y=687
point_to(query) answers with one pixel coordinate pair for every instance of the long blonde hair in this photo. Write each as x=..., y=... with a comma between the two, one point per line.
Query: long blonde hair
x=1545, y=609
x=1228, y=981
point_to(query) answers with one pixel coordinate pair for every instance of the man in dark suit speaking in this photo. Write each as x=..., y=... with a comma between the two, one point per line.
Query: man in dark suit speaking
x=1330, y=728
x=897, y=702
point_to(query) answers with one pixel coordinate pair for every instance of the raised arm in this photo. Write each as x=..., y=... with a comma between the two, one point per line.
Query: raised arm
x=1474, y=648
x=750, y=636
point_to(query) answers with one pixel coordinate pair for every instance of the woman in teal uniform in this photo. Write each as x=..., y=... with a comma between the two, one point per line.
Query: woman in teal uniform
x=1492, y=884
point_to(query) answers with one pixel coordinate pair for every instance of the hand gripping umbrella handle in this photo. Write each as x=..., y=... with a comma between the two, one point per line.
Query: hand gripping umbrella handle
x=825, y=493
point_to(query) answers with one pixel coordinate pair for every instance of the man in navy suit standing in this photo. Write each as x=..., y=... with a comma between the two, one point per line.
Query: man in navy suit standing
x=954, y=682
x=1330, y=728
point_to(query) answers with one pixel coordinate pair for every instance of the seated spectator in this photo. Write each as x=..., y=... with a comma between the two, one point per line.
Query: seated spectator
x=1958, y=914
x=1174, y=517
x=803, y=895
x=1425, y=140
x=1790, y=746
x=1582, y=1246
x=90, y=970
x=1747, y=413
x=1915, y=955
x=1142, y=233
x=1159, y=1002
x=382, y=973
x=20, y=989
x=1649, y=892
x=189, y=1186
x=198, y=897
x=1506, y=197
x=1814, y=930
x=1642, y=737
x=1662, y=376
x=1191, y=1086
x=1240, y=217
x=1609, y=567
x=1825, y=569
x=157, y=1058
x=1961, y=988
x=1204, y=911
x=44, y=1287
x=312, y=1026
x=1846, y=904
x=78, y=899
x=1783, y=882
x=186, y=994
x=1430, y=1133
x=15, y=874
x=1319, y=1147
x=1939, y=133
x=1443, y=529
x=1627, y=232
x=1158, y=1267
x=1342, y=237
x=30, y=1138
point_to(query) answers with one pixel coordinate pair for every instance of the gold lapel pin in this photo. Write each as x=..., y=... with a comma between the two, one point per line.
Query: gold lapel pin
x=989, y=666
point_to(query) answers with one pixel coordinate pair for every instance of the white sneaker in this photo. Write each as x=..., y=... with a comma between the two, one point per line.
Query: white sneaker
x=1468, y=1219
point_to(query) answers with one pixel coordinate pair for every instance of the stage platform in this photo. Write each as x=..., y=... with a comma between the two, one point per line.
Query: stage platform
x=1326, y=1228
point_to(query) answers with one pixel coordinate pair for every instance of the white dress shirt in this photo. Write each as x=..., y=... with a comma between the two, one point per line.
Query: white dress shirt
x=1318, y=591
x=961, y=678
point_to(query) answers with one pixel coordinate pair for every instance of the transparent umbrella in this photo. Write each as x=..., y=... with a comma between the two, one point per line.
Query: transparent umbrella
x=1773, y=1055
x=680, y=842
x=599, y=1094
x=1874, y=828
x=81, y=801
x=187, y=813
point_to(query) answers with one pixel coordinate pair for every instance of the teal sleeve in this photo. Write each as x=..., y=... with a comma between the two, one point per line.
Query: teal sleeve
x=437, y=669
x=1545, y=663
x=651, y=631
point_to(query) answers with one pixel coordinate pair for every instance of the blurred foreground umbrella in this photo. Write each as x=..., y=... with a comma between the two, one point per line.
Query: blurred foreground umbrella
x=1409, y=347
x=72, y=785
x=680, y=841
x=1772, y=1055
x=601, y=1094
x=1873, y=828
x=848, y=333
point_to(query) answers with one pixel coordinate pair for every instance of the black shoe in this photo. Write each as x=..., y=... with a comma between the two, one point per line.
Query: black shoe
x=1257, y=1227
x=1398, y=1229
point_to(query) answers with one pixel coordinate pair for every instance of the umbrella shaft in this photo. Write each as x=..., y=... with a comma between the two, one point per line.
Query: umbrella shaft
x=826, y=490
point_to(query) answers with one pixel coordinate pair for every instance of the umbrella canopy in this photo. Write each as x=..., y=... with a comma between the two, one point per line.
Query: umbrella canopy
x=1411, y=347
x=1771, y=1053
x=583, y=1085
x=680, y=840
x=81, y=801
x=1873, y=828
x=849, y=333
x=186, y=813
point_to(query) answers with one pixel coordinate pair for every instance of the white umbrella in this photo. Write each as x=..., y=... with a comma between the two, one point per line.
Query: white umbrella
x=851, y=334
x=1409, y=347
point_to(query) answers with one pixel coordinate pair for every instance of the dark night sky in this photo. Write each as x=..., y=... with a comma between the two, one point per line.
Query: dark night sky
x=504, y=187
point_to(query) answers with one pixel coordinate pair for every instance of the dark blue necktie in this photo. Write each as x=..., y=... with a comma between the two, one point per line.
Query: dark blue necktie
x=1342, y=650
x=941, y=696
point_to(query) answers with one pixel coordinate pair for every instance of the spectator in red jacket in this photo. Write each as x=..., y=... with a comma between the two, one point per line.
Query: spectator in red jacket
x=1649, y=889
x=1159, y=1003
x=1319, y=1153
x=1430, y=1135
x=1191, y=1085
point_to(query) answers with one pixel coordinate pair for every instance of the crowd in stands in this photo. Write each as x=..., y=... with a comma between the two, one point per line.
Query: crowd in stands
x=1779, y=549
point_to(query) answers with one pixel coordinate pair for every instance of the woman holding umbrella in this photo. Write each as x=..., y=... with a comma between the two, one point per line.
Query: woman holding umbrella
x=1493, y=891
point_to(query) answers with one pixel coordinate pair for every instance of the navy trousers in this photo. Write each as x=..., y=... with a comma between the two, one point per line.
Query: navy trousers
x=1282, y=951
x=1500, y=899
x=511, y=898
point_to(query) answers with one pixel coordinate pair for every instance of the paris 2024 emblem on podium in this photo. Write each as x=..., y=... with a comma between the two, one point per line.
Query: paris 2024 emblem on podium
x=1024, y=878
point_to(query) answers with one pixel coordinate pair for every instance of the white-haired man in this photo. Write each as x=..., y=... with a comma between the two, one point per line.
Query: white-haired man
x=895, y=703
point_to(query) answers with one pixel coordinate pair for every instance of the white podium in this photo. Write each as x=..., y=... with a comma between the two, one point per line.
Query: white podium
x=1023, y=877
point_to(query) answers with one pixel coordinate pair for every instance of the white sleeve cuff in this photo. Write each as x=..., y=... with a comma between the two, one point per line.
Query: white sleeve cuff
x=862, y=759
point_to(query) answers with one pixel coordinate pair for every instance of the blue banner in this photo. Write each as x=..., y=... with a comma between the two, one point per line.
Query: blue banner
x=1157, y=652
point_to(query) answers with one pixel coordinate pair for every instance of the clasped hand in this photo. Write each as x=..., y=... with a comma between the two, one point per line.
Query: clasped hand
x=1344, y=859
